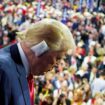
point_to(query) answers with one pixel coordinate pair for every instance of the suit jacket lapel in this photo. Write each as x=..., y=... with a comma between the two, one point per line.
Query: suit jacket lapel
x=24, y=84
x=22, y=74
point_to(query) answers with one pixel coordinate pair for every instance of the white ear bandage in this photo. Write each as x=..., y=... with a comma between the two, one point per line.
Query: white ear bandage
x=40, y=48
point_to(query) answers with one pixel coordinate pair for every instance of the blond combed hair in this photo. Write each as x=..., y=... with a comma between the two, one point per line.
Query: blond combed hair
x=56, y=34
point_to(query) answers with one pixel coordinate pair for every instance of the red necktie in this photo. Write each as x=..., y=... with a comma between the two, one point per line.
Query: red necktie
x=31, y=88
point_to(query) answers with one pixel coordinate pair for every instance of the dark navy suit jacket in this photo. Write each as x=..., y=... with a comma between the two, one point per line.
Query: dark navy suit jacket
x=13, y=82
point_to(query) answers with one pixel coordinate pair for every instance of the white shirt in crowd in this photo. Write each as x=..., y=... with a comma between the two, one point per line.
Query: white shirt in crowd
x=98, y=85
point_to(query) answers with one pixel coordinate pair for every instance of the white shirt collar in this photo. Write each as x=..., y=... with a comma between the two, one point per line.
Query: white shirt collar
x=24, y=59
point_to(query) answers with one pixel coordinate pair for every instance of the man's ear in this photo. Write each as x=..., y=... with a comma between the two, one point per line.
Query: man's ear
x=40, y=48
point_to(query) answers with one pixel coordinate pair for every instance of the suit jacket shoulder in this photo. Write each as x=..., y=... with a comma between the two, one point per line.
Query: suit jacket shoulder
x=13, y=86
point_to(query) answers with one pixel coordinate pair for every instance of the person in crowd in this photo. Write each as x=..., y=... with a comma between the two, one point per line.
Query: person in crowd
x=96, y=100
x=102, y=64
x=38, y=50
x=92, y=74
x=98, y=84
x=78, y=98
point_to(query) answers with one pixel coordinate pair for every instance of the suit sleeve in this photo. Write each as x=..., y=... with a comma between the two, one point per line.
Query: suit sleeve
x=5, y=89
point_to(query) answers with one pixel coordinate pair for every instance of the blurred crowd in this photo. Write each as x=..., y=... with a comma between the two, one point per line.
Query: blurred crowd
x=77, y=78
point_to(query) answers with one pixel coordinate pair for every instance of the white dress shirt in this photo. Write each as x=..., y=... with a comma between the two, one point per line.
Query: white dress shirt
x=24, y=59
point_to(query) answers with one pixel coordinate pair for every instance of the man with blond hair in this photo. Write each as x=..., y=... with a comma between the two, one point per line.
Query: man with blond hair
x=37, y=51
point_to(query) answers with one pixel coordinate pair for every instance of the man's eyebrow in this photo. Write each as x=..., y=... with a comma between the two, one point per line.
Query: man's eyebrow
x=59, y=57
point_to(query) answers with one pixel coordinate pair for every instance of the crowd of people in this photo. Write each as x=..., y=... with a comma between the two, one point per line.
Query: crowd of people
x=77, y=78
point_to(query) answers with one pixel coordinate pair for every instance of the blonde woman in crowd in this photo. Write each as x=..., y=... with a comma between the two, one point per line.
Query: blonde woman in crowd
x=78, y=97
